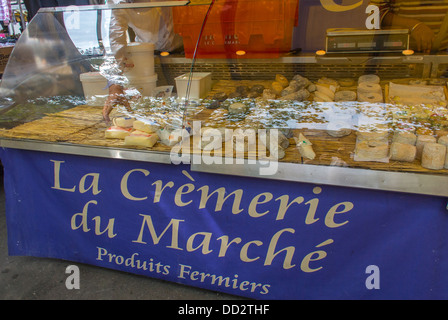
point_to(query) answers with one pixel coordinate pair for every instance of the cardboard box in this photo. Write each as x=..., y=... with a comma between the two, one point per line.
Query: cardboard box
x=201, y=84
x=5, y=52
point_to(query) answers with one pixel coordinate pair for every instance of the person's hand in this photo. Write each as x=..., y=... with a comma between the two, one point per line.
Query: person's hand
x=424, y=37
x=116, y=97
x=126, y=64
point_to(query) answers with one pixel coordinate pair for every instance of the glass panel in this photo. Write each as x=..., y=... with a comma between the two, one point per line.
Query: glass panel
x=323, y=80
x=93, y=75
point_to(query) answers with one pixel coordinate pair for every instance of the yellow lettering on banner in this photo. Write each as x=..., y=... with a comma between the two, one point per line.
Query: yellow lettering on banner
x=330, y=5
x=284, y=205
x=310, y=216
x=329, y=218
x=305, y=265
x=97, y=220
x=205, y=196
x=174, y=224
x=93, y=185
x=83, y=216
x=57, y=183
x=270, y=255
x=313, y=203
x=255, y=201
x=109, y=228
x=225, y=244
x=159, y=189
x=205, y=243
x=178, y=197
x=243, y=254
x=124, y=184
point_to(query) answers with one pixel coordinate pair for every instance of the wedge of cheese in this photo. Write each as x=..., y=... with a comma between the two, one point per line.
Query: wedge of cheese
x=305, y=147
x=116, y=132
x=145, y=127
x=141, y=138
x=329, y=91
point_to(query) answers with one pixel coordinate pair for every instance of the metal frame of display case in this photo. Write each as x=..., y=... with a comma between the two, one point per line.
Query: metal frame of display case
x=91, y=151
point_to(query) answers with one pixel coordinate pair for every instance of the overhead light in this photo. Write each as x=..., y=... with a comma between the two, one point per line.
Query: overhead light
x=321, y=52
x=164, y=53
x=240, y=53
x=408, y=52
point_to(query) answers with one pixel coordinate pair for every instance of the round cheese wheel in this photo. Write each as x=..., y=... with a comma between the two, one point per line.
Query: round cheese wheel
x=372, y=97
x=433, y=156
x=368, y=87
x=369, y=78
x=345, y=95
x=402, y=152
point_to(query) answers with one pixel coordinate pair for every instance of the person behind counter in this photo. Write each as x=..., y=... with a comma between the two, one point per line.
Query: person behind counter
x=153, y=25
x=424, y=19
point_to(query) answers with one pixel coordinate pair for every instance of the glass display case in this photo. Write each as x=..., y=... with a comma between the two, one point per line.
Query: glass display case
x=232, y=87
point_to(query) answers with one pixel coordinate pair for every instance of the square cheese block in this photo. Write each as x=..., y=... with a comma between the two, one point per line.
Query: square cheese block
x=141, y=138
x=371, y=151
x=374, y=138
x=116, y=132
x=146, y=127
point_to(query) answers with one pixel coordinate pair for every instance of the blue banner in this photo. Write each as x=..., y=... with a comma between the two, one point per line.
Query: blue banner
x=257, y=238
